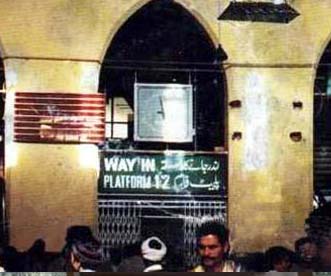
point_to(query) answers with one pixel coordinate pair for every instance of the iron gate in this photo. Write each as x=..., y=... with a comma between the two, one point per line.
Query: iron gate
x=121, y=221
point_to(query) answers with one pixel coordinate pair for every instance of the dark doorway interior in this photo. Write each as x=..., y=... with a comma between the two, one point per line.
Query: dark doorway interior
x=164, y=43
x=322, y=127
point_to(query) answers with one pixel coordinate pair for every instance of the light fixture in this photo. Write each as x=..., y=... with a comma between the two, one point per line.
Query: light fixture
x=277, y=11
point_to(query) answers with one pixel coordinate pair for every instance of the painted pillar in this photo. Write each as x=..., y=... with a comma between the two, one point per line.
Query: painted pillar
x=270, y=173
x=49, y=186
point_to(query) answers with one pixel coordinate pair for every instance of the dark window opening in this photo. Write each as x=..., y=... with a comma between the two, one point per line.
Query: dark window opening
x=322, y=126
x=3, y=230
x=163, y=43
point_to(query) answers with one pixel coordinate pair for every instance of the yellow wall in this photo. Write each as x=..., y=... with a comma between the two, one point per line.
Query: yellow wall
x=56, y=46
x=49, y=188
x=271, y=176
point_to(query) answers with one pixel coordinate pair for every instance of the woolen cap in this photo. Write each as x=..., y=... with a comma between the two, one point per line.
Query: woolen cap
x=89, y=253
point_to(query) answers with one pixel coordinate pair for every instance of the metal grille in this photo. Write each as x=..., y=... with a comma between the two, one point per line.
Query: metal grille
x=119, y=224
x=322, y=144
x=195, y=214
x=322, y=164
x=120, y=220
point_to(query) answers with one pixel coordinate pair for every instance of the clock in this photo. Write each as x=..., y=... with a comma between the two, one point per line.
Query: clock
x=163, y=113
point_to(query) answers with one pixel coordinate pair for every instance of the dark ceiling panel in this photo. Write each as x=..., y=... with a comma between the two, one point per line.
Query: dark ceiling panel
x=259, y=12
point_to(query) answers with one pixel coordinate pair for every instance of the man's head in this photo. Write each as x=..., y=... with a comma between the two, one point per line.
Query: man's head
x=279, y=258
x=78, y=233
x=306, y=249
x=213, y=244
x=86, y=254
x=153, y=249
x=324, y=252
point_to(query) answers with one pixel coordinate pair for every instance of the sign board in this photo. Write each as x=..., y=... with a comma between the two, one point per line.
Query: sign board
x=163, y=113
x=162, y=173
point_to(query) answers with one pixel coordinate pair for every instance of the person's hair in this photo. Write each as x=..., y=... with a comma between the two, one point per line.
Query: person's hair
x=78, y=233
x=214, y=228
x=301, y=242
x=75, y=233
x=275, y=254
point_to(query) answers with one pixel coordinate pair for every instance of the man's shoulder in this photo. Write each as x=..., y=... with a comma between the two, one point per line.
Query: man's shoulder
x=232, y=266
x=198, y=268
x=229, y=266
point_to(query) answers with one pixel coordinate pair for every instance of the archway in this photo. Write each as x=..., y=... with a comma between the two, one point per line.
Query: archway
x=322, y=127
x=163, y=44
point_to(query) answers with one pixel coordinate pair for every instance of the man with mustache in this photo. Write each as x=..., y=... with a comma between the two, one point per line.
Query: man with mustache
x=213, y=246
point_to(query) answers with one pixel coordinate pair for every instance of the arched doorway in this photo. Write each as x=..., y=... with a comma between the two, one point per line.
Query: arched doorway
x=163, y=45
x=322, y=127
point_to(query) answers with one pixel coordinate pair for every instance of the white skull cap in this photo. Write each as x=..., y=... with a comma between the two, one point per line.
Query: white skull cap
x=153, y=254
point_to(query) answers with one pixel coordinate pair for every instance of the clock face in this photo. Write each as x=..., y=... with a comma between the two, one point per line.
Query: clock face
x=163, y=112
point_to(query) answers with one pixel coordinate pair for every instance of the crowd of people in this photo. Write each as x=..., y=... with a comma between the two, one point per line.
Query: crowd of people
x=83, y=252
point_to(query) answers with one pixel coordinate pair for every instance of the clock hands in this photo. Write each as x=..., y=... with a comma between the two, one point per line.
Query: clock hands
x=162, y=109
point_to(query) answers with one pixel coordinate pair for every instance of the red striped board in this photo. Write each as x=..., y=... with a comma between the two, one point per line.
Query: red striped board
x=59, y=118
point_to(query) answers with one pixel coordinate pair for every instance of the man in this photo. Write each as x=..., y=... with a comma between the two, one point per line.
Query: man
x=86, y=256
x=306, y=251
x=75, y=233
x=153, y=251
x=279, y=259
x=132, y=259
x=213, y=246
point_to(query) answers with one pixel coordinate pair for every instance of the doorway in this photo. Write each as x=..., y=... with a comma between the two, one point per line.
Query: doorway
x=162, y=44
x=322, y=128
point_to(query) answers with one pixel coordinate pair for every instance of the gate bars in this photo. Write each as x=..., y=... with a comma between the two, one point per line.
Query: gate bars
x=120, y=220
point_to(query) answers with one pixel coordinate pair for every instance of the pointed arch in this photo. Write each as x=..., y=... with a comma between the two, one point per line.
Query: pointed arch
x=141, y=4
x=165, y=37
x=322, y=119
x=120, y=22
x=162, y=43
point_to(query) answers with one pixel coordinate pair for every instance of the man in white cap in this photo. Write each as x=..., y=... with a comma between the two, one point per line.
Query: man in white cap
x=153, y=252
